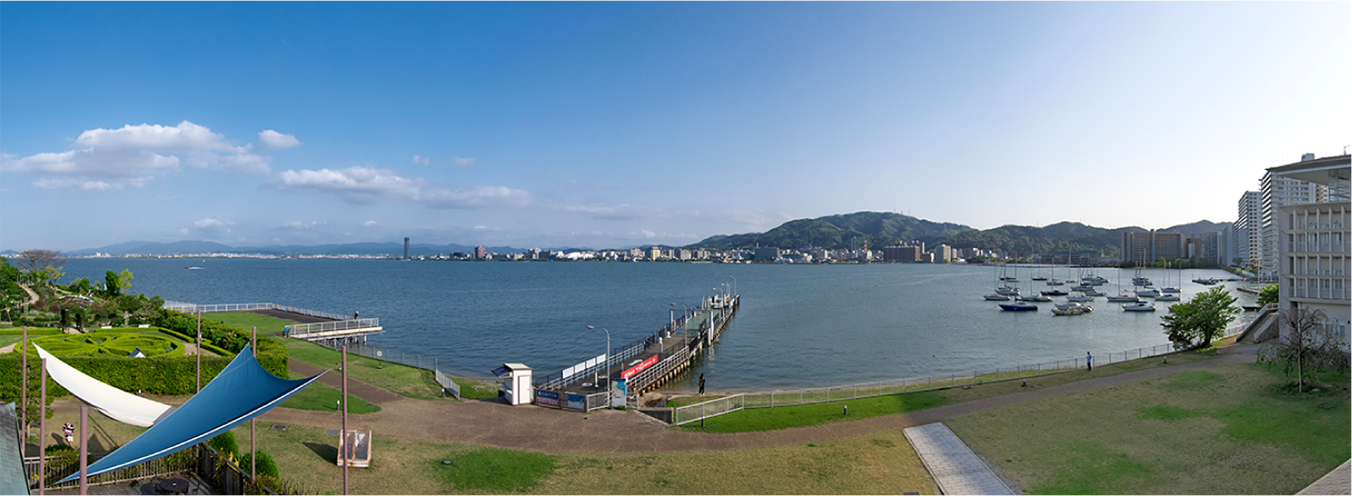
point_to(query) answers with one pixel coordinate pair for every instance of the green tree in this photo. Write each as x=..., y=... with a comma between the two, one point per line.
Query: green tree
x=124, y=281
x=1308, y=343
x=112, y=283
x=1203, y=318
x=1267, y=295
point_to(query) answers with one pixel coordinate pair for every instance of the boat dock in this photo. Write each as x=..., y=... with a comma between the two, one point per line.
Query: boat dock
x=641, y=366
x=325, y=328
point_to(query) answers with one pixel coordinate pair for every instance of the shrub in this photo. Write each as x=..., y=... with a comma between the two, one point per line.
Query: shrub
x=226, y=444
x=267, y=467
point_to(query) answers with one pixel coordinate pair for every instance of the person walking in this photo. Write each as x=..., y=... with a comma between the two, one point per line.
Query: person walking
x=701, y=384
x=1089, y=361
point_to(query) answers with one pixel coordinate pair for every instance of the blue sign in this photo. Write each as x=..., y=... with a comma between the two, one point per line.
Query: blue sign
x=577, y=402
x=549, y=398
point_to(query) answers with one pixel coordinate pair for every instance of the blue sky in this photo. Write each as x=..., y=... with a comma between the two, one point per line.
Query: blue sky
x=625, y=124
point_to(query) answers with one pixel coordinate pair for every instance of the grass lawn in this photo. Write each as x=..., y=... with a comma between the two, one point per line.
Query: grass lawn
x=324, y=398
x=762, y=419
x=880, y=463
x=245, y=320
x=8, y=340
x=1228, y=429
x=399, y=379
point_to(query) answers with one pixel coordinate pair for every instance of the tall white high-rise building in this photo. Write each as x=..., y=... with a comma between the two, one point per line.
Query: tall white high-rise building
x=1246, y=236
x=1315, y=242
x=1280, y=191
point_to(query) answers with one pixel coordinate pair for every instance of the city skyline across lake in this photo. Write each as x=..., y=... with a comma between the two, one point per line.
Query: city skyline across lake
x=799, y=326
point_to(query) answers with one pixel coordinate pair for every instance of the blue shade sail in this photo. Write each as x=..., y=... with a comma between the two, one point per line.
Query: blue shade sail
x=242, y=391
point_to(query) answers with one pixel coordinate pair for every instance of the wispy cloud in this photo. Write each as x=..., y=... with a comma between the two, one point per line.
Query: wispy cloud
x=114, y=159
x=421, y=160
x=212, y=228
x=463, y=161
x=274, y=139
x=365, y=185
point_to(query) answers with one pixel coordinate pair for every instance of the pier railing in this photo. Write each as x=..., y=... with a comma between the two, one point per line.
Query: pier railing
x=300, y=331
x=244, y=307
x=558, y=380
x=447, y=384
x=805, y=396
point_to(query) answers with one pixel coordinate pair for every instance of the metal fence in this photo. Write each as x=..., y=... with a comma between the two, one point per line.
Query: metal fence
x=447, y=384
x=300, y=331
x=805, y=396
x=558, y=381
x=244, y=307
x=59, y=466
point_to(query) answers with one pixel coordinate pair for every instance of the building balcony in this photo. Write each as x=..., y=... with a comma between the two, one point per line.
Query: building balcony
x=1318, y=294
x=1292, y=247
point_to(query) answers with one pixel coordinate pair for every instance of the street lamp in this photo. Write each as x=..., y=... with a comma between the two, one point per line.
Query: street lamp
x=595, y=379
x=734, y=285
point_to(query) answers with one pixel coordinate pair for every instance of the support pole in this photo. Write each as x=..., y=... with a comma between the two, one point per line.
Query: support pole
x=23, y=403
x=343, y=455
x=84, y=450
x=42, y=432
x=253, y=433
x=199, y=350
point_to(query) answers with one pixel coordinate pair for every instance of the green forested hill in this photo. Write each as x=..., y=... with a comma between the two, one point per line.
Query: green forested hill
x=885, y=228
x=878, y=228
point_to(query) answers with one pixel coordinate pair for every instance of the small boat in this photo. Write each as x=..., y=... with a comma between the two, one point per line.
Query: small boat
x=1124, y=298
x=1039, y=278
x=1007, y=291
x=1094, y=293
x=1206, y=282
x=1055, y=282
x=1072, y=309
x=1170, y=289
x=1167, y=297
x=1055, y=292
x=1140, y=306
x=1147, y=293
x=1038, y=298
x=1251, y=308
x=996, y=297
x=1018, y=307
x=1080, y=298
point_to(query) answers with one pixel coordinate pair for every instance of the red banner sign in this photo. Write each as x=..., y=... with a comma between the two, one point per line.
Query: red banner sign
x=638, y=368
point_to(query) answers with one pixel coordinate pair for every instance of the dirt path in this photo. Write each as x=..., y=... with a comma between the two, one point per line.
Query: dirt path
x=355, y=387
x=604, y=431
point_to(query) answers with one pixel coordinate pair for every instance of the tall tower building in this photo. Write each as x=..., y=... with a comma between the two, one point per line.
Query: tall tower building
x=1315, y=243
x=1246, y=236
x=405, y=248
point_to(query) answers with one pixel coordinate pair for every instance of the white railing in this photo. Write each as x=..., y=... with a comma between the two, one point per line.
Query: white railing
x=447, y=383
x=299, y=331
x=244, y=307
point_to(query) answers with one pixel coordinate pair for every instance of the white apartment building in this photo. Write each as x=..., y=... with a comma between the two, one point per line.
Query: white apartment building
x=1246, y=236
x=1278, y=191
x=1315, y=241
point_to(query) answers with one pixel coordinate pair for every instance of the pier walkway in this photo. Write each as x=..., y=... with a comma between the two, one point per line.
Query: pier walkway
x=327, y=328
x=955, y=468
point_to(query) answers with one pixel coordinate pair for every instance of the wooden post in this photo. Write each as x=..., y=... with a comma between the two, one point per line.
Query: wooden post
x=42, y=432
x=342, y=455
x=199, y=350
x=253, y=434
x=84, y=450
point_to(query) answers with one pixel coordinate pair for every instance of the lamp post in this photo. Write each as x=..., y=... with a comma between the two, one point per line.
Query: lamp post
x=684, y=332
x=607, y=366
x=734, y=285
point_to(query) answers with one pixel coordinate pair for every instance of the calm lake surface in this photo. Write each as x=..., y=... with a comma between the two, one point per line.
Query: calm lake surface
x=798, y=326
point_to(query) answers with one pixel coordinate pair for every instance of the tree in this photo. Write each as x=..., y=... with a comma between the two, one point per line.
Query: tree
x=112, y=283
x=1308, y=343
x=124, y=281
x=48, y=261
x=1204, y=318
x=1267, y=295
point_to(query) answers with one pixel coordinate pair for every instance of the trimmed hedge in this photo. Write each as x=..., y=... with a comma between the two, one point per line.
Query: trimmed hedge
x=32, y=331
x=266, y=465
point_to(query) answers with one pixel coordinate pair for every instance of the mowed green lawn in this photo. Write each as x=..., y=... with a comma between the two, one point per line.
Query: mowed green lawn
x=403, y=380
x=1227, y=429
x=245, y=321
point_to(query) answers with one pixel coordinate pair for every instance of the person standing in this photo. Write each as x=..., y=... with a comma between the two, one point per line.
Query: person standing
x=701, y=384
x=1089, y=361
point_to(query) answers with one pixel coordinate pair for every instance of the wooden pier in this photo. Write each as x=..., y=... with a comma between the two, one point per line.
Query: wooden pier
x=648, y=364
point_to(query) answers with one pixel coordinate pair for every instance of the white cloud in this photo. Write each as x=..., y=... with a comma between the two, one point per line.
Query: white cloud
x=357, y=185
x=463, y=161
x=274, y=139
x=364, y=185
x=475, y=197
x=212, y=223
x=297, y=224
x=420, y=160
x=114, y=159
x=370, y=224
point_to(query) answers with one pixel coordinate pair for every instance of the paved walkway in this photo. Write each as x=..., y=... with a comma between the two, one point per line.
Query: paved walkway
x=1339, y=481
x=955, y=468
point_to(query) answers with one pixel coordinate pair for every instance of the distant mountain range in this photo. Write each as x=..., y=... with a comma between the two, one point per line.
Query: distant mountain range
x=876, y=229
x=885, y=228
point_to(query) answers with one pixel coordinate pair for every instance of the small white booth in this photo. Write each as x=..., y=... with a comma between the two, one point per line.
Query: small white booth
x=516, y=383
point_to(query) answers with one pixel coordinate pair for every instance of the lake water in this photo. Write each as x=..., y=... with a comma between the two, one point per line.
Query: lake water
x=798, y=326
